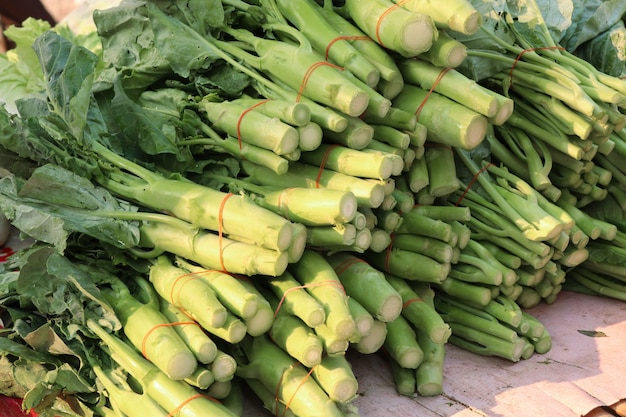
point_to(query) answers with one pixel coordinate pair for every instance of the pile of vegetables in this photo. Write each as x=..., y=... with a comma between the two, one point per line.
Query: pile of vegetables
x=231, y=195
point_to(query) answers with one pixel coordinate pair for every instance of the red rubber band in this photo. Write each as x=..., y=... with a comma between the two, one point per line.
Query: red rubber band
x=344, y=38
x=411, y=301
x=324, y=160
x=187, y=401
x=342, y=267
x=288, y=403
x=519, y=57
x=383, y=15
x=246, y=111
x=332, y=282
x=308, y=74
x=432, y=88
x=220, y=227
x=280, y=381
x=144, y=341
x=189, y=277
x=483, y=169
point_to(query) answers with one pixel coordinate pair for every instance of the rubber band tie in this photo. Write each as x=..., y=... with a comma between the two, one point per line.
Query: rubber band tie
x=246, y=111
x=342, y=267
x=383, y=15
x=280, y=381
x=144, y=341
x=430, y=91
x=332, y=282
x=187, y=401
x=469, y=186
x=308, y=73
x=220, y=228
x=521, y=54
x=323, y=164
x=345, y=38
x=411, y=301
x=189, y=277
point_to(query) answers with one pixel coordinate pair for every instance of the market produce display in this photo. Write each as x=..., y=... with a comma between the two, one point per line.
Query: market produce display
x=228, y=196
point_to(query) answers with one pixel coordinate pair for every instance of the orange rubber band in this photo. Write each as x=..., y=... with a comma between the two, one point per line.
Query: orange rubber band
x=344, y=38
x=323, y=164
x=144, y=341
x=187, y=401
x=437, y=81
x=342, y=267
x=246, y=111
x=308, y=73
x=280, y=381
x=175, y=300
x=220, y=228
x=411, y=301
x=383, y=15
x=469, y=186
x=519, y=57
x=332, y=282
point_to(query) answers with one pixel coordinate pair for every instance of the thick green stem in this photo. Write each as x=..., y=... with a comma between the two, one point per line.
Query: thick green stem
x=213, y=251
x=409, y=265
x=436, y=112
x=168, y=393
x=419, y=312
x=367, y=285
x=397, y=29
x=322, y=282
x=401, y=343
x=296, y=300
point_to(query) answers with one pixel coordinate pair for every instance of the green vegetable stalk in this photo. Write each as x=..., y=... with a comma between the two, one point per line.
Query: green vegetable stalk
x=171, y=395
x=291, y=383
x=418, y=311
x=435, y=111
x=151, y=333
x=401, y=343
x=213, y=251
x=367, y=285
x=459, y=15
x=295, y=299
x=395, y=28
x=334, y=374
x=322, y=282
x=309, y=176
x=326, y=39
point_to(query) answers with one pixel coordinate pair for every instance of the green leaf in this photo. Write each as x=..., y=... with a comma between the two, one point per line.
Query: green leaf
x=607, y=51
x=51, y=217
x=592, y=18
x=200, y=15
x=56, y=287
x=69, y=72
x=31, y=220
x=20, y=71
x=11, y=347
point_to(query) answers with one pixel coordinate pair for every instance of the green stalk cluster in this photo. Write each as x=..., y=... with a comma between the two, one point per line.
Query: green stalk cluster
x=499, y=328
x=567, y=117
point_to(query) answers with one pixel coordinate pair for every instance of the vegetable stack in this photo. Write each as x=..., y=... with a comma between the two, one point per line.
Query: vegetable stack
x=238, y=193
